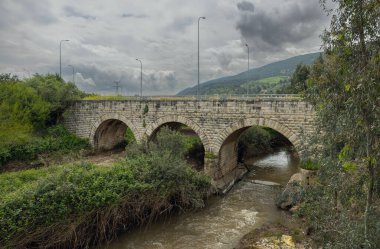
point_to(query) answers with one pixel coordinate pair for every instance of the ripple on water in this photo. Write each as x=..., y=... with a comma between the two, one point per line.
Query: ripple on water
x=224, y=221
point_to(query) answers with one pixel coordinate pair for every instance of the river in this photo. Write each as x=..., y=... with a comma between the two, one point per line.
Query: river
x=225, y=219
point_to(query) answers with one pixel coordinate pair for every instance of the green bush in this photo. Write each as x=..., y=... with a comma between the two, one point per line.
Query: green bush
x=90, y=203
x=309, y=164
x=254, y=141
x=81, y=205
x=57, y=138
x=170, y=140
x=52, y=89
x=129, y=137
x=30, y=107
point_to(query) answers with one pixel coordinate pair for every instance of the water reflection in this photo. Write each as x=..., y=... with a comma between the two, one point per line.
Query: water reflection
x=225, y=219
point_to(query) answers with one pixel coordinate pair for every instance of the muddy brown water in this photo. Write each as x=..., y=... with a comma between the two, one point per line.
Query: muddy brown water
x=225, y=219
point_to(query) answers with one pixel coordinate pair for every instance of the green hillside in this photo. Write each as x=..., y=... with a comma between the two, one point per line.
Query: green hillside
x=270, y=78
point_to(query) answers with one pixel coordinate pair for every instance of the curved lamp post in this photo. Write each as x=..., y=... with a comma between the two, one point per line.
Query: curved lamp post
x=140, y=79
x=60, y=56
x=202, y=17
x=248, y=67
x=73, y=72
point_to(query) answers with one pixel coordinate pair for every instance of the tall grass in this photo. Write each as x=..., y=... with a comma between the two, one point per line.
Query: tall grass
x=57, y=138
x=82, y=205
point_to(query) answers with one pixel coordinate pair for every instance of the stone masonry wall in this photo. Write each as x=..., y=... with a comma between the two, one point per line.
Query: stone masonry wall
x=213, y=120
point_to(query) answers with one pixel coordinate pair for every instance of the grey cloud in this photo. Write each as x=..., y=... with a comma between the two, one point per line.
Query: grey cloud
x=94, y=79
x=224, y=60
x=71, y=12
x=160, y=81
x=182, y=22
x=104, y=51
x=295, y=22
x=32, y=11
x=246, y=6
x=130, y=15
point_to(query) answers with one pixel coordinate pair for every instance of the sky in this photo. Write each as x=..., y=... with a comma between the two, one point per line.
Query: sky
x=106, y=37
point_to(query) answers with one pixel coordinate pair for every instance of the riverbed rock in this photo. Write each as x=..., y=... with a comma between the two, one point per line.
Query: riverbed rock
x=274, y=242
x=293, y=193
x=291, y=196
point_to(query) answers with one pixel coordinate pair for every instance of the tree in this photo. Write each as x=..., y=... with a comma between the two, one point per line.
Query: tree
x=21, y=109
x=299, y=78
x=8, y=78
x=54, y=90
x=344, y=87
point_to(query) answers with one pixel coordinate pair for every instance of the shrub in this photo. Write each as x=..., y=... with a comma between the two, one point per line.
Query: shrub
x=57, y=138
x=129, y=137
x=82, y=205
x=254, y=141
x=309, y=164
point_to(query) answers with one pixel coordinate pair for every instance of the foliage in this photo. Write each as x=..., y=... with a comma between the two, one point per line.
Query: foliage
x=21, y=109
x=254, y=141
x=258, y=140
x=101, y=97
x=170, y=140
x=27, y=109
x=129, y=137
x=146, y=109
x=77, y=206
x=8, y=78
x=56, y=139
x=309, y=164
x=210, y=155
x=344, y=88
x=52, y=89
x=298, y=80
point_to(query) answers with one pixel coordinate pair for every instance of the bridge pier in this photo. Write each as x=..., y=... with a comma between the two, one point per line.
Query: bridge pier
x=222, y=180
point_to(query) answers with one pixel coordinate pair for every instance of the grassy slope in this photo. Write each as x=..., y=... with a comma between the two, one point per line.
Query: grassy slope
x=235, y=84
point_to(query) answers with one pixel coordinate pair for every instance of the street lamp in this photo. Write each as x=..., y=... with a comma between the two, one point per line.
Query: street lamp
x=140, y=79
x=248, y=68
x=60, y=57
x=202, y=17
x=73, y=72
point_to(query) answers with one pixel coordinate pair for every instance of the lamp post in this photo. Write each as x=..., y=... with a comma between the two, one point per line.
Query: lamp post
x=73, y=72
x=140, y=79
x=248, y=68
x=202, y=17
x=60, y=56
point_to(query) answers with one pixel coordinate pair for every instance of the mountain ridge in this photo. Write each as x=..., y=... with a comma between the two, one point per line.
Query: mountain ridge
x=279, y=68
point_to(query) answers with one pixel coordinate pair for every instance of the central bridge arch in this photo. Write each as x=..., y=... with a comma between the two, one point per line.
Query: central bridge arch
x=179, y=119
x=229, y=137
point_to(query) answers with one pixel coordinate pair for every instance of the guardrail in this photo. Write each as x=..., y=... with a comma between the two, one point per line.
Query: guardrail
x=215, y=97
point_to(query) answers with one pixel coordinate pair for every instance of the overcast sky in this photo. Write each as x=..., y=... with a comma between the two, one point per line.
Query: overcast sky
x=107, y=36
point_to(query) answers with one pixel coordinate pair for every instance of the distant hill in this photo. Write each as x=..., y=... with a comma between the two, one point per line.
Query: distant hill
x=265, y=79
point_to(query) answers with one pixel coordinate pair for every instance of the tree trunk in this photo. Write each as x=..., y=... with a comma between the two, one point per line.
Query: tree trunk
x=371, y=172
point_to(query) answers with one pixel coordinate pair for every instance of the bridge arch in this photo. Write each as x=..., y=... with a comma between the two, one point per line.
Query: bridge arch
x=109, y=130
x=179, y=119
x=227, y=141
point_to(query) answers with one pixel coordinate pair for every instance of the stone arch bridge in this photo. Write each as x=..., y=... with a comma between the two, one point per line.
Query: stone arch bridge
x=218, y=122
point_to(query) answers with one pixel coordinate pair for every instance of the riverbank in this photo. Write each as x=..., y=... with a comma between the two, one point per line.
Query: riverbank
x=76, y=206
x=225, y=219
x=83, y=205
x=291, y=232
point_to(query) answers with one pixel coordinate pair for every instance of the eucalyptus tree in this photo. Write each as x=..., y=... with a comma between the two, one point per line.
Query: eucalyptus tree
x=344, y=87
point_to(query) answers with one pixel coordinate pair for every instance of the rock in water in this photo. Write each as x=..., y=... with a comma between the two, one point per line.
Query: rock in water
x=293, y=192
